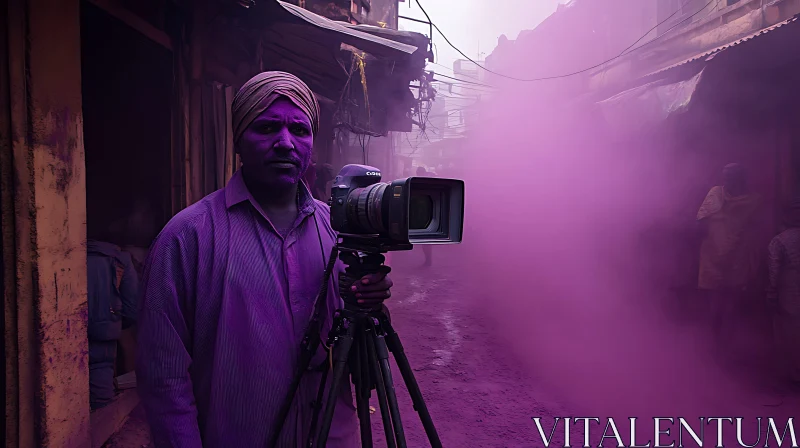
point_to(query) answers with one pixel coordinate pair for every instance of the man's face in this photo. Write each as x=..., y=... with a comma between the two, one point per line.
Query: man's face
x=276, y=148
x=733, y=178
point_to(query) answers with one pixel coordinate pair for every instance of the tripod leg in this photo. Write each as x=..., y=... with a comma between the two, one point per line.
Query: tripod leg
x=396, y=347
x=391, y=397
x=381, y=389
x=340, y=355
x=361, y=382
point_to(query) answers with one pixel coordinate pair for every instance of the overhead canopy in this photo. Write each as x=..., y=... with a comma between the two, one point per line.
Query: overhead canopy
x=420, y=41
x=649, y=104
x=310, y=46
x=670, y=90
x=710, y=54
x=352, y=35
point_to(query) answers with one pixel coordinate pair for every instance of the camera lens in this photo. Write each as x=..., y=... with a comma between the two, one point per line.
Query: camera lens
x=364, y=207
x=420, y=211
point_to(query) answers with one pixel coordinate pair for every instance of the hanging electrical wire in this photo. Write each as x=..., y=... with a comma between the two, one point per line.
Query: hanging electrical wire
x=461, y=80
x=470, y=88
x=459, y=74
x=629, y=49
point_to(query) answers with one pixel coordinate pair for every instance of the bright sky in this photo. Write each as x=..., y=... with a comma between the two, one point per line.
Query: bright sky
x=473, y=25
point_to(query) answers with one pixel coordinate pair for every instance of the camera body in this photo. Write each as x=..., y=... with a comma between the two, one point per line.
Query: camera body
x=393, y=216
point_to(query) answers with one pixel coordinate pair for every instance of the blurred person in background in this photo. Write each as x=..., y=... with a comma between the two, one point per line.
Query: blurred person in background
x=112, y=300
x=139, y=229
x=728, y=252
x=317, y=177
x=135, y=232
x=325, y=175
x=783, y=294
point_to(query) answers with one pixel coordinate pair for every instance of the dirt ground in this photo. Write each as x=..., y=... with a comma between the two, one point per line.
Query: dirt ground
x=476, y=391
x=133, y=434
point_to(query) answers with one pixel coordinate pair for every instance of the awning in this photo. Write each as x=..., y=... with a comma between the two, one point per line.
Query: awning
x=308, y=45
x=710, y=54
x=658, y=95
x=642, y=107
x=351, y=35
x=420, y=41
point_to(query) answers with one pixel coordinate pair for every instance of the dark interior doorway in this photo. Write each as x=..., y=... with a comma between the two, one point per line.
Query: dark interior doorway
x=127, y=91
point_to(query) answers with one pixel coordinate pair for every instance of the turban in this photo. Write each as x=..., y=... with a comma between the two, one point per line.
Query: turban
x=257, y=94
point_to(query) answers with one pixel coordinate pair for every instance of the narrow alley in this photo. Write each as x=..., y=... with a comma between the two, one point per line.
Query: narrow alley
x=477, y=390
x=611, y=188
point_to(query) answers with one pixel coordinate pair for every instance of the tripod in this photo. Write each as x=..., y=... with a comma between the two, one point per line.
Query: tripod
x=361, y=340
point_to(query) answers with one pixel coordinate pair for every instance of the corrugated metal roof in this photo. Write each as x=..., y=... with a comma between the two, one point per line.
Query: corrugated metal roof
x=713, y=52
x=406, y=37
x=362, y=40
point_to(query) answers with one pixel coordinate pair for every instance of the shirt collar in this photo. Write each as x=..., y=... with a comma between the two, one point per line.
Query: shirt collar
x=236, y=192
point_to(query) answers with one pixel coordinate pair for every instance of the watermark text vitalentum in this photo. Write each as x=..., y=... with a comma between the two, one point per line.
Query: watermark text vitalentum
x=669, y=432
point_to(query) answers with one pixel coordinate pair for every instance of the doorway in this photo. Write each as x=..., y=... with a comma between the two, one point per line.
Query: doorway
x=127, y=98
x=127, y=85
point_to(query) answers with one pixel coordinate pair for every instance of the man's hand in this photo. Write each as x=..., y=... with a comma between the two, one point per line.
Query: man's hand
x=373, y=289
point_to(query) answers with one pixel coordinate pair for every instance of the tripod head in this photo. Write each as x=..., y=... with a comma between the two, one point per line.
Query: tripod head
x=361, y=256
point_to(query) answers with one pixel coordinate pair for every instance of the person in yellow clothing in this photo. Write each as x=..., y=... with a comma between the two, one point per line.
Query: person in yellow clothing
x=729, y=249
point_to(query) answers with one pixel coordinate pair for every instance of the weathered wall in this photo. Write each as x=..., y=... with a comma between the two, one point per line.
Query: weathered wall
x=49, y=258
x=8, y=279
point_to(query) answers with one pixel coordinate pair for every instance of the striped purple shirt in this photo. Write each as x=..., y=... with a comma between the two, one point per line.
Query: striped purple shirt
x=225, y=304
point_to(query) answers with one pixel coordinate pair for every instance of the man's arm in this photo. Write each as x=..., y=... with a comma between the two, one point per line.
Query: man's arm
x=164, y=345
x=712, y=204
x=701, y=228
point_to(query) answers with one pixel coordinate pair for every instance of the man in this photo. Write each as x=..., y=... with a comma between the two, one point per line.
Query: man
x=112, y=293
x=426, y=249
x=783, y=293
x=230, y=284
x=727, y=253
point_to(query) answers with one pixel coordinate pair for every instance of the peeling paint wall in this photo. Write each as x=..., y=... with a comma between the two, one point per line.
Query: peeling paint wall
x=49, y=255
x=8, y=281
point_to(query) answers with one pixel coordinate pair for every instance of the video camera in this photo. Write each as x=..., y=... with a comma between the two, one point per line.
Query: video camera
x=373, y=216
